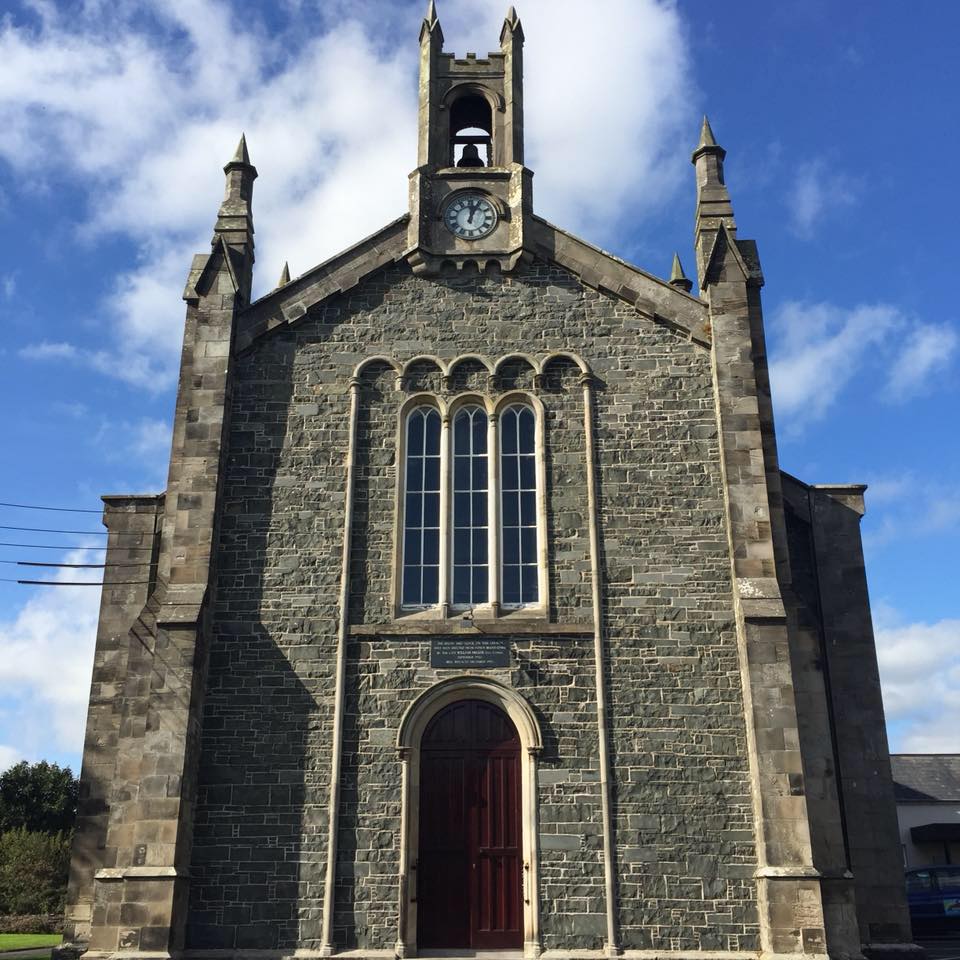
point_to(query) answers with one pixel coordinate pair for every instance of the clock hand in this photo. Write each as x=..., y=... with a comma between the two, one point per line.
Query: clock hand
x=473, y=211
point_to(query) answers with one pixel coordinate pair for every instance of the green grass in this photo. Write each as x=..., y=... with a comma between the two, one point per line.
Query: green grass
x=20, y=941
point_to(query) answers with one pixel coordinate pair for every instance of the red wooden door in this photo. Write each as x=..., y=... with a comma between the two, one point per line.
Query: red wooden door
x=469, y=870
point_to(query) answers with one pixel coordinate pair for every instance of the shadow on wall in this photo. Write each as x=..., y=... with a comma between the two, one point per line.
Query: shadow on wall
x=257, y=842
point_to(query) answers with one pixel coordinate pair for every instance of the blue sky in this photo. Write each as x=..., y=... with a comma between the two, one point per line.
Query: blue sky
x=841, y=129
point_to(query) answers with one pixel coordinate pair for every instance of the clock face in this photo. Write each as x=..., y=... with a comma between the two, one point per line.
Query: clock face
x=470, y=216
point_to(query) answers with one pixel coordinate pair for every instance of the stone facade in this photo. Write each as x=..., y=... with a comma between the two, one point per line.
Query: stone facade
x=704, y=769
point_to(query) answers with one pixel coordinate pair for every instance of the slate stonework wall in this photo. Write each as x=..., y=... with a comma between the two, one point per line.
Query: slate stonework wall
x=682, y=807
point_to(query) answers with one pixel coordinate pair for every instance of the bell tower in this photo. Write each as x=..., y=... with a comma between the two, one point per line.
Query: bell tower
x=470, y=192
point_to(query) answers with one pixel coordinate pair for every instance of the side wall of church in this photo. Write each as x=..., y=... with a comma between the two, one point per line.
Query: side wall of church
x=682, y=809
x=826, y=555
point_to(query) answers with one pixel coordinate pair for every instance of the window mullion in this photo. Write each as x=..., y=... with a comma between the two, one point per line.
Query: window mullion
x=446, y=523
x=493, y=515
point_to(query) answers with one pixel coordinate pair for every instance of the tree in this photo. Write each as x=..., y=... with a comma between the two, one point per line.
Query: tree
x=33, y=872
x=39, y=797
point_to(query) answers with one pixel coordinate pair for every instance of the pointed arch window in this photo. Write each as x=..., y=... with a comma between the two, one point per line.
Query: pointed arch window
x=520, y=568
x=471, y=529
x=472, y=516
x=421, y=534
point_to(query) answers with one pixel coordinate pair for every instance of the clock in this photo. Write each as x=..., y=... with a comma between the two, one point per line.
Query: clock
x=470, y=216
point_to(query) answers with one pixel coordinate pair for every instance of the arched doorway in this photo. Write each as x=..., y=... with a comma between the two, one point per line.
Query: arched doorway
x=470, y=860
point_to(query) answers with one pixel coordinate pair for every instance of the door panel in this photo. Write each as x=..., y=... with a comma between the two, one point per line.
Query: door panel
x=469, y=871
x=443, y=869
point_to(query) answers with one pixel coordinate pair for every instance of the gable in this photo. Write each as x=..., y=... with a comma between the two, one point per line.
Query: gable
x=593, y=268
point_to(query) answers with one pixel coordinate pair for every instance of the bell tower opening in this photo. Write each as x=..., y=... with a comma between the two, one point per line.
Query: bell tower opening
x=471, y=132
x=470, y=147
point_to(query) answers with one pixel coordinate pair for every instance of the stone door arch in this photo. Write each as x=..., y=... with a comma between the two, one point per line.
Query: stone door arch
x=412, y=728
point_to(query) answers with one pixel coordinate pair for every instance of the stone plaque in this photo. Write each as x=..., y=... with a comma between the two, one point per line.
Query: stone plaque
x=452, y=653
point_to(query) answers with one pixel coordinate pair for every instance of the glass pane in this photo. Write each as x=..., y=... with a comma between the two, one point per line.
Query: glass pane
x=480, y=584
x=528, y=545
x=461, y=584
x=413, y=511
x=511, y=585
x=508, y=432
x=480, y=472
x=509, y=472
x=526, y=431
x=433, y=434
x=461, y=546
x=511, y=546
x=431, y=546
x=415, y=434
x=511, y=510
x=528, y=476
x=480, y=432
x=411, y=585
x=411, y=548
x=530, y=591
x=431, y=473
x=461, y=433
x=430, y=584
x=414, y=473
x=461, y=473
x=528, y=509
x=461, y=509
x=480, y=509
x=431, y=510
x=479, y=554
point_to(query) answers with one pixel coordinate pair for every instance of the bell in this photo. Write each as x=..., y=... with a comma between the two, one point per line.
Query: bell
x=470, y=157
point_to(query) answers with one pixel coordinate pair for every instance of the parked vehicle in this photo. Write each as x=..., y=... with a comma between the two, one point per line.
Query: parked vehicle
x=933, y=894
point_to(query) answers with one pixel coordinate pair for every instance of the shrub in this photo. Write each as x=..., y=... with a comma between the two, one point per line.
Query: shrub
x=33, y=872
x=32, y=923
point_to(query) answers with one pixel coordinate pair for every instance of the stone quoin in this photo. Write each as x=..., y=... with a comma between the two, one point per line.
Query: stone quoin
x=477, y=614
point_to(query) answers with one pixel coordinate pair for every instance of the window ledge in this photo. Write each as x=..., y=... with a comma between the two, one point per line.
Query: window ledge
x=448, y=628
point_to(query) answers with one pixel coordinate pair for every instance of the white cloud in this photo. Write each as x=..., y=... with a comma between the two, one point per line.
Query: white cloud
x=48, y=350
x=46, y=658
x=920, y=677
x=908, y=506
x=816, y=193
x=818, y=349
x=151, y=438
x=8, y=284
x=8, y=757
x=147, y=100
x=928, y=351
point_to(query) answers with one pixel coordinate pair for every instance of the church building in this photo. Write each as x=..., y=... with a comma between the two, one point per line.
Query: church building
x=478, y=617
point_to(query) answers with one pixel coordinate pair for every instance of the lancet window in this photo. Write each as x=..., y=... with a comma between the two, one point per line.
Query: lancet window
x=471, y=509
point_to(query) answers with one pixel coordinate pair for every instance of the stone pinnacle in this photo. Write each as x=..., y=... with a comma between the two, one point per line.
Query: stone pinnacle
x=677, y=277
x=707, y=138
x=240, y=154
x=284, y=275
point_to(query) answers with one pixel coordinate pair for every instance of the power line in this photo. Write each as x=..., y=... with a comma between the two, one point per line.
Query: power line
x=85, y=533
x=81, y=533
x=76, y=583
x=69, y=546
x=74, y=566
x=82, y=566
x=30, y=506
